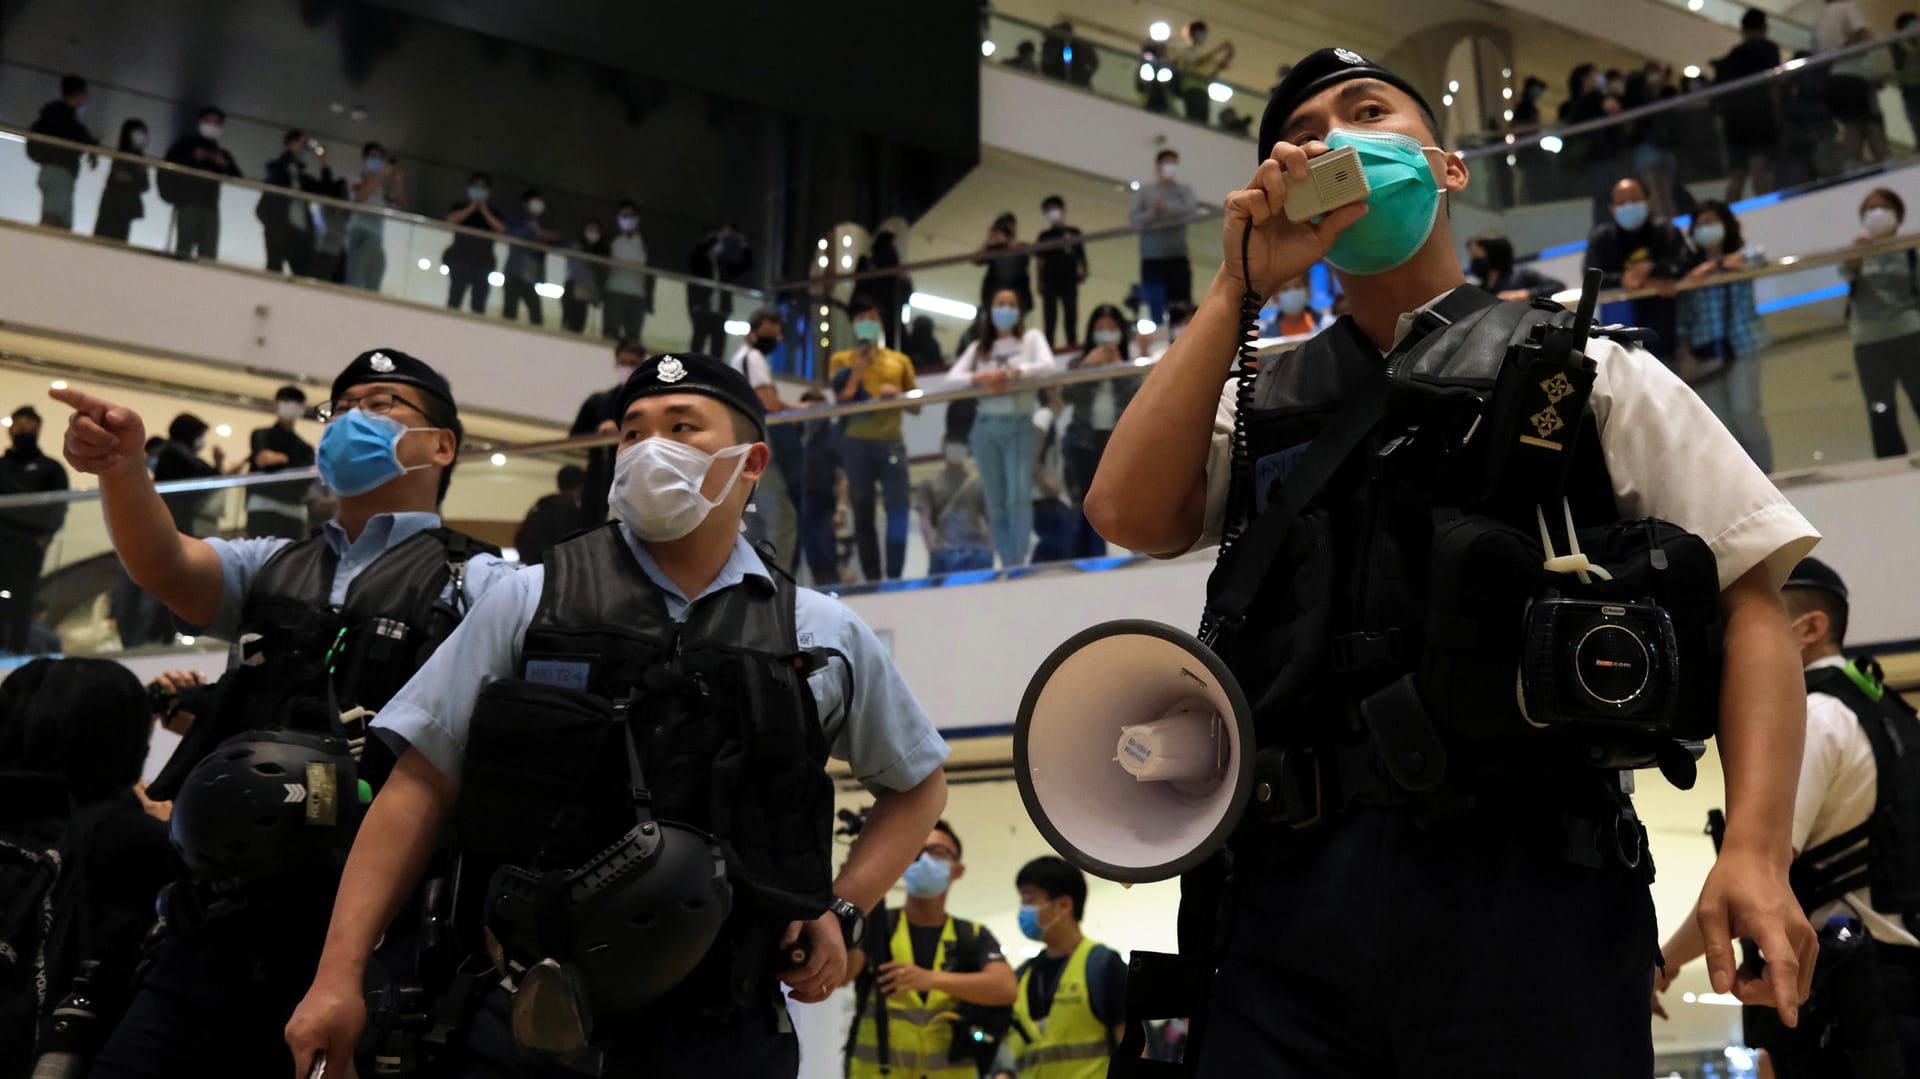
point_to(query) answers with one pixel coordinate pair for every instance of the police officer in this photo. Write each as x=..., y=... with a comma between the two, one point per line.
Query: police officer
x=666, y=616
x=330, y=624
x=1850, y=717
x=923, y=968
x=1481, y=930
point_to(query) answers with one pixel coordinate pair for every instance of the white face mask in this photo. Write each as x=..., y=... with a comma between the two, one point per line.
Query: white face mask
x=536, y=207
x=290, y=410
x=210, y=131
x=628, y=223
x=1054, y=217
x=1880, y=221
x=657, y=487
x=956, y=454
x=1169, y=170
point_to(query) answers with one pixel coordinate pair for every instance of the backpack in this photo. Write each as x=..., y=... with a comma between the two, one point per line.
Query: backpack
x=38, y=893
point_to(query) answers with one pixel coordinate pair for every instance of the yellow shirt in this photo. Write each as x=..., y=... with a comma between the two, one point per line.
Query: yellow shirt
x=889, y=368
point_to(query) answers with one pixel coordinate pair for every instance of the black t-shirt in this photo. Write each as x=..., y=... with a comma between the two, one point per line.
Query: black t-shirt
x=962, y=959
x=1063, y=267
x=1106, y=983
x=466, y=248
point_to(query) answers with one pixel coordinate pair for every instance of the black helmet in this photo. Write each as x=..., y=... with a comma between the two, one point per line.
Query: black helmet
x=639, y=916
x=265, y=803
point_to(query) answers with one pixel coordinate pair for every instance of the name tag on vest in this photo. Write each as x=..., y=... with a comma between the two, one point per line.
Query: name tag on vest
x=1273, y=469
x=560, y=673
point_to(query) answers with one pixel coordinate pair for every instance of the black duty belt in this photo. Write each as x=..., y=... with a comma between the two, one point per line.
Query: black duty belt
x=1301, y=790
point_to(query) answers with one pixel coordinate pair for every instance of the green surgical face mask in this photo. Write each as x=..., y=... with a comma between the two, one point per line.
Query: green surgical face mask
x=1402, y=209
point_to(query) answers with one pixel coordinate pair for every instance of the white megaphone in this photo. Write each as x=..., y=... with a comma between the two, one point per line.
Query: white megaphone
x=1134, y=751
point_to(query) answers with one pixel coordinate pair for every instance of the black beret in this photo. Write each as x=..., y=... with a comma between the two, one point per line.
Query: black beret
x=692, y=372
x=393, y=365
x=1327, y=67
x=1813, y=573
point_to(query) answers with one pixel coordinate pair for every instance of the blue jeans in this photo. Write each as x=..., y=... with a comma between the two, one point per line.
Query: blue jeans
x=959, y=560
x=1003, y=451
x=870, y=461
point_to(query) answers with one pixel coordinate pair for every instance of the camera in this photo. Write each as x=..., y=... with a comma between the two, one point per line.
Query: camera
x=1599, y=663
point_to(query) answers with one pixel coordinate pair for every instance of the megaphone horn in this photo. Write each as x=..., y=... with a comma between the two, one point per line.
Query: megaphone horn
x=1134, y=751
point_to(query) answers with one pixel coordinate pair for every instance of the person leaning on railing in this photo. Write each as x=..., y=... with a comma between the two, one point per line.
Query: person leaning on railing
x=1883, y=314
x=1721, y=334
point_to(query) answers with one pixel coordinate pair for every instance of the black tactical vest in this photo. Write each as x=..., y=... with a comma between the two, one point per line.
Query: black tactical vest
x=1342, y=611
x=1883, y=852
x=300, y=663
x=727, y=729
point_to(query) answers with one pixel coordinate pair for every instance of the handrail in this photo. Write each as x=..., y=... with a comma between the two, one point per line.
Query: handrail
x=1515, y=141
x=1132, y=51
x=1789, y=264
x=1136, y=368
x=1205, y=213
x=14, y=134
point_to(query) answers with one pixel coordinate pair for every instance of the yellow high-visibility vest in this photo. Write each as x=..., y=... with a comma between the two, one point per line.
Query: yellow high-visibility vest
x=919, y=1025
x=1071, y=1042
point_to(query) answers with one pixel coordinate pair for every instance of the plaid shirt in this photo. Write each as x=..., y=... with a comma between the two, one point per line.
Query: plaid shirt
x=1726, y=311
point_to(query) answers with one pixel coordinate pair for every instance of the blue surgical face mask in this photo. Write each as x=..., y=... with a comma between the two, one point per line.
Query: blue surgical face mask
x=1709, y=235
x=1106, y=337
x=359, y=451
x=1030, y=923
x=928, y=877
x=375, y=164
x=1630, y=215
x=868, y=331
x=1293, y=301
x=1401, y=210
x=1005, y=318
x=477, y=193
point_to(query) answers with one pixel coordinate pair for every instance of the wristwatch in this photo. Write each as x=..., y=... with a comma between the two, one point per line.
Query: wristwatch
x=853, y=920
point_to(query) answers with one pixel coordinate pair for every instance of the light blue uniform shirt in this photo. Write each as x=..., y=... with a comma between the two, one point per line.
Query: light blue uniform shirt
x=886, y=737
x=241, y=559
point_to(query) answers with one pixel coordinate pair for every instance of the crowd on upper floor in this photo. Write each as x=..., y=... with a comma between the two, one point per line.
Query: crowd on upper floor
x=336, y=243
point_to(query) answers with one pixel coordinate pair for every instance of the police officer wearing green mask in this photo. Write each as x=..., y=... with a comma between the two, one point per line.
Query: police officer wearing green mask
x=1448, y=911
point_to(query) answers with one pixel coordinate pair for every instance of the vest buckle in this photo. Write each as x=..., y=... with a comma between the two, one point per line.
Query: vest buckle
x=1366, y=650
x=1288, y=788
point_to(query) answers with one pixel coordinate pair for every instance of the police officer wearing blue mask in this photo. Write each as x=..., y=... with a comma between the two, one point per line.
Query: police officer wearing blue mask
x=326, y=629
x=1418, y=887
x=659, y=668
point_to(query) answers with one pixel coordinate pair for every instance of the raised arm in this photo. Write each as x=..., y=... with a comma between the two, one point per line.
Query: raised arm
x=109, y=441
x=1150, y=493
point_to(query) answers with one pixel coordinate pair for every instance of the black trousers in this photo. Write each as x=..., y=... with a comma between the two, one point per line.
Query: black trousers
x=1054, y=303
x=760, y=1045
x=217, y=999
x=1379, y=948
x=21, y=559
x=709, y=330
x=288, y=247
x=519, y=290
x=468, y=281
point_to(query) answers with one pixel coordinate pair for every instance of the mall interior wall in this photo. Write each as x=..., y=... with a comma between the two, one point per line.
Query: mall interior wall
x=689, y=109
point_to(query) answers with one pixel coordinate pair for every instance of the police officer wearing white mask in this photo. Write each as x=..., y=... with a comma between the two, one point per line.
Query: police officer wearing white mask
x=658, y=668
